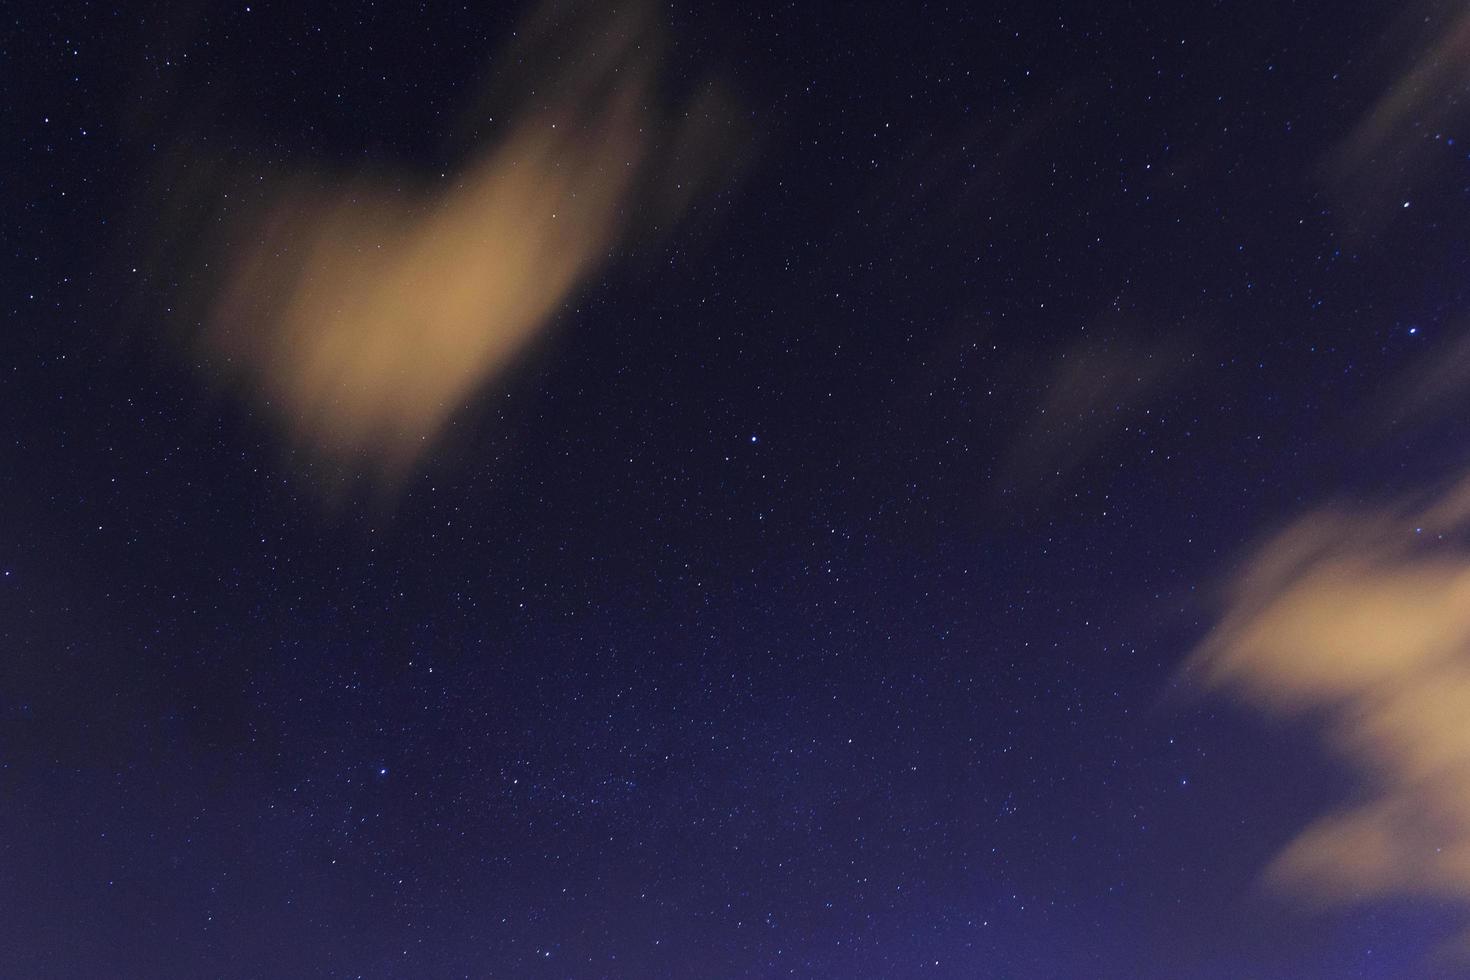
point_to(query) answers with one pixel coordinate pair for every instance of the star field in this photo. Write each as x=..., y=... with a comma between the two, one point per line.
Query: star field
x=815, y=582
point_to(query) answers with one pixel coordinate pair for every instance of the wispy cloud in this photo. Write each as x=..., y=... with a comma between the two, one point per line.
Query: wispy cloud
x=1389, y=143
x=1093, y=389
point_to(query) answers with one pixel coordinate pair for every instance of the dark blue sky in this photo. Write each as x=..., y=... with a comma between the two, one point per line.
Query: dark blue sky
x=812, y=597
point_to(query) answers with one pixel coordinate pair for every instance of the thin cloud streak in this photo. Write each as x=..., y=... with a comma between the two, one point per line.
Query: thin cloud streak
x=1396, y=133
x=1093, y=390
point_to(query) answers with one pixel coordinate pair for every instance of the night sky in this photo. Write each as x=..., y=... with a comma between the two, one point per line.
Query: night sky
x=735, y=490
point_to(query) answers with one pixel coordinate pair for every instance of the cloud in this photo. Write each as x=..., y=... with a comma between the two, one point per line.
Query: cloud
x=1095, y=388
x=1361, y=617
x=363, y=311
x=1424, y=395
x=1397, y=131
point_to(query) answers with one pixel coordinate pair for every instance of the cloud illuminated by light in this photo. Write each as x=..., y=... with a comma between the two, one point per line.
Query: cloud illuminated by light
x=364, y=311
x=1362, y=617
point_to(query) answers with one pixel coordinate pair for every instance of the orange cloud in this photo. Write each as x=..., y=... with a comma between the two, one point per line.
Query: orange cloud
x=1362, y=617
x=365, y=311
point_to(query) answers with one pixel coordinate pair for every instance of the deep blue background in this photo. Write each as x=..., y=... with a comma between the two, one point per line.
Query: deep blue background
x=754, y=625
